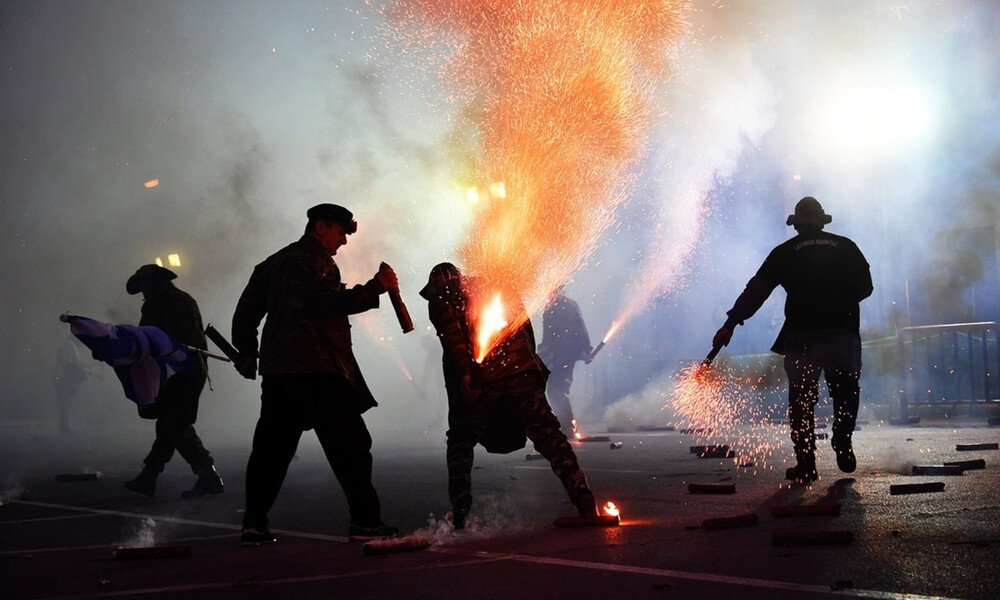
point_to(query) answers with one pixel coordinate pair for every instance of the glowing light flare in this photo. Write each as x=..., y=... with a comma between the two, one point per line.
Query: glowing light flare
x=611, y=510
x=489, y=327
x=498, y=190
x=174, y=260
x=472, y=195
x=152, y=183
x=862, y=117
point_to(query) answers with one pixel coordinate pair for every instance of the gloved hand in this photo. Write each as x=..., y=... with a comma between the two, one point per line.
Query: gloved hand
x=246, y=367
x=386, y=277
x=722, y=337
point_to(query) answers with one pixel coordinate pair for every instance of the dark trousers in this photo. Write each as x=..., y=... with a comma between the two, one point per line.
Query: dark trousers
x=177, y=404
x=837, y=355
x=557, y=391
x=290, y=405
x=524, y=395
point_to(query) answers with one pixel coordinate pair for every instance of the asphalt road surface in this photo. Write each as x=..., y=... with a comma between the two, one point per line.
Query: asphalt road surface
x=59, y=539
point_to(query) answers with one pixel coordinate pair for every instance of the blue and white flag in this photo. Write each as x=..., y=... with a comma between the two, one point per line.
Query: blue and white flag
x=143, y=357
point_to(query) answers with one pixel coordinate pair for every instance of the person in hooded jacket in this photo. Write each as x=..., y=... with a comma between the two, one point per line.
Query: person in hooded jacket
x=176, y=407
x=502, y=398
x=825, y=277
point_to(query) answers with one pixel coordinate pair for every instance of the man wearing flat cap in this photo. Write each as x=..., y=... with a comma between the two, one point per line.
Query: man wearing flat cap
x=825, y=277
x=310, y=378
x=176, y=408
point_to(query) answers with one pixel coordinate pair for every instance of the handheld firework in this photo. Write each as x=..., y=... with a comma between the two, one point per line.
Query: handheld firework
x=231, y=352
x=607, y=336
x=219, y=340
x=402, y=315
x=711, y=355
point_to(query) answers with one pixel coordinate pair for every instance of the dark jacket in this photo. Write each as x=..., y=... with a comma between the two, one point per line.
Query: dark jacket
x=825, y=277
x=307, y=306
x=564, y=334
x=175, y=312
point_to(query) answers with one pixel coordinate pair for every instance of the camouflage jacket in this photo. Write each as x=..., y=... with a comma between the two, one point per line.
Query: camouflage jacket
x=307, y=306
x=514, y=355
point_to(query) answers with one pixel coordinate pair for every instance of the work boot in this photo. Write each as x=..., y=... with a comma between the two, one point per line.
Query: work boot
x=359, y=533
x=804, y=471
x=252, y=538
x=846, y=460
x=209, y=482
x=144, y=483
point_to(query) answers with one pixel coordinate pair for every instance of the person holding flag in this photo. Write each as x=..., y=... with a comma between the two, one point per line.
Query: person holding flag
x=175, y=408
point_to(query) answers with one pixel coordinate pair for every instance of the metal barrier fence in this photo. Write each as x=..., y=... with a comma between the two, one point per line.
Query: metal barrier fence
x=948, y=364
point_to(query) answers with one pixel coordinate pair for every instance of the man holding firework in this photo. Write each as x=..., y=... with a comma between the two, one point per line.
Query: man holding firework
x=825, y=277
x=310, y=377
x=564, y=342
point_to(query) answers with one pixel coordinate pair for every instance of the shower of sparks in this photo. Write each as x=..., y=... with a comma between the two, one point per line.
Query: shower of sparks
x=725, y=405
x=563, y=90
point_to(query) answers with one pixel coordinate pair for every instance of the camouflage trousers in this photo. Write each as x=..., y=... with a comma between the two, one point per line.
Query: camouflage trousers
x=524, y=395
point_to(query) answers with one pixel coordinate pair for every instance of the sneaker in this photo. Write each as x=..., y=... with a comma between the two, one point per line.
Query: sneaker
x=802, y=472
x=251, y=538
x=144, y=483
x=358, y=533
x=586, y=505
x=846, y=460
x=209, y=482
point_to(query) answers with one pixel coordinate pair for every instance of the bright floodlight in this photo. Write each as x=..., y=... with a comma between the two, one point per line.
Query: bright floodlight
x=861, y=121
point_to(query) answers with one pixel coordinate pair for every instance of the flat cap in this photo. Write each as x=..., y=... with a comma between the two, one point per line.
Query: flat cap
x=335, y=213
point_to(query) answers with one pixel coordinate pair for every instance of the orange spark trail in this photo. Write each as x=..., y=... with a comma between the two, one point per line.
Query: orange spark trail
x=564, y=94
x=724, y=405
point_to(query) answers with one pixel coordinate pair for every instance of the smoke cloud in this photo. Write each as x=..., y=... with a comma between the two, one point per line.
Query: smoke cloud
x=247, y=114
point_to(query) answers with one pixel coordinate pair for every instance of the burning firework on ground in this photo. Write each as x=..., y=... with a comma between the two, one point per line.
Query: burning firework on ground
x=563, y=91
x=718, y=402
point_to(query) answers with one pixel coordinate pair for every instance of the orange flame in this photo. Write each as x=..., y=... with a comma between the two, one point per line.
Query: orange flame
x=491, y=324
x=611, y=331
x=611, y=509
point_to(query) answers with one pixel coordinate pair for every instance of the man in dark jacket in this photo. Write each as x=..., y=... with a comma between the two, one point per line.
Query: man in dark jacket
x=310, y=378
x=564, y=342
x=825, y=277
x=176, y=407
x=509, y=381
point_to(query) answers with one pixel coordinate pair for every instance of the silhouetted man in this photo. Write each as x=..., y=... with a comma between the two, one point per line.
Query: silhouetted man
x=564, y=342
x=310, y=377
x=825, y=277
